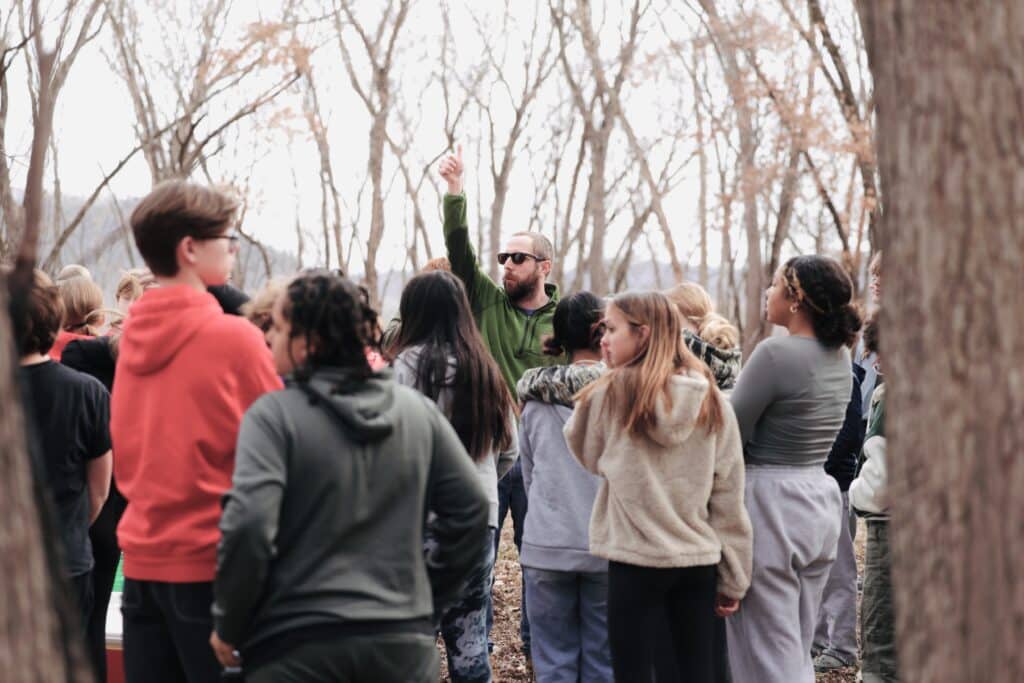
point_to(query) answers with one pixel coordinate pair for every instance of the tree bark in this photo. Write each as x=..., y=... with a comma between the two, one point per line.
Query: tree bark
x=950, y=138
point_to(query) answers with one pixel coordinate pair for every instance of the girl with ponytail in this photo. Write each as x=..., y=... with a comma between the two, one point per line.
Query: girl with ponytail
x=567, y=586
x=669, y=514
x=790, y=402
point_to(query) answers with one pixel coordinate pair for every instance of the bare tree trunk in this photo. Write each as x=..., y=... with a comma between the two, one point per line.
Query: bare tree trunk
x=950, y=89
x=754, y=327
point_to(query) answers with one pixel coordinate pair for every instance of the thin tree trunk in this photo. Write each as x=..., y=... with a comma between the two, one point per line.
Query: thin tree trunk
x=950, y=89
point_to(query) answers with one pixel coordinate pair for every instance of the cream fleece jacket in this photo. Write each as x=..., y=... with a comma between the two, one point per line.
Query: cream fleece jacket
x=671, y=498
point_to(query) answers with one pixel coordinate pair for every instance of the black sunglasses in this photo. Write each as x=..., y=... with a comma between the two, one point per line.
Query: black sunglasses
x=518, y=257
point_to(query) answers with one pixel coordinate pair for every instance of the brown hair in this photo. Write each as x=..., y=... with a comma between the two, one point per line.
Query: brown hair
x=870, y=334
x=174, y=210
x=37, y=324
x=83, y=305
x=820, y=286
x=635, y=388
x=541, y=245
x=694, y=305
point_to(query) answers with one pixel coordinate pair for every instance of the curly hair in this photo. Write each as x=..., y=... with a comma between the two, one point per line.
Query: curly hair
x=824, y=290
x=336, y=319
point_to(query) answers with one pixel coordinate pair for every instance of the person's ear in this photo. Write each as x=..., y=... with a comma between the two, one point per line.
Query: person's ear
x=545, y=267
x=186, y=252
x=645, y=333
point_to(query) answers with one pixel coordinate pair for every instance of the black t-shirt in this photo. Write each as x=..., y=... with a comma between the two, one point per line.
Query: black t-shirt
x=69, y=414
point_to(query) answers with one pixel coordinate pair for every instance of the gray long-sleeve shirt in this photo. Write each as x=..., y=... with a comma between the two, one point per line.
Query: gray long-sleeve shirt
x=790, y=401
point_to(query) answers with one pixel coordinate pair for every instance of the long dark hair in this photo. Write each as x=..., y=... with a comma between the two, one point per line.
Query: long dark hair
x=336, y=319
x=436, y=316
x=821, y=286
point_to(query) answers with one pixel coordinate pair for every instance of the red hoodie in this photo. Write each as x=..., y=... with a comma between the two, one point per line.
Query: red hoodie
x=186, y=373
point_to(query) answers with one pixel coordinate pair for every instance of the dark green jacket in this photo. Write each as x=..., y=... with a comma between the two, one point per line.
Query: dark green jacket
x=513, y=337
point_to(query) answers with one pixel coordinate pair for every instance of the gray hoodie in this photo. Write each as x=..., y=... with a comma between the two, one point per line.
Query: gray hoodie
x=324, y=523
x=560, y=493
x=490, y=469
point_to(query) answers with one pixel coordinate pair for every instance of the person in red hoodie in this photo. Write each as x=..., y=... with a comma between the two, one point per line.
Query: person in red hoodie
x=186, y=373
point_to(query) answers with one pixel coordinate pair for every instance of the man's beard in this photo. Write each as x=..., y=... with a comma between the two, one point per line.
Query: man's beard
x=519, y=290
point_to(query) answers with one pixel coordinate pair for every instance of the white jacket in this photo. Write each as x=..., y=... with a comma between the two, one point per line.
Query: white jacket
x=869, y=492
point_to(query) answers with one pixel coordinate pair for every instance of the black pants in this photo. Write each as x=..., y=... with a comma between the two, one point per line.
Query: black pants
x=103, y=535
x=81, y=591
x=662, y=625
x=167, y=629
x=384, y=658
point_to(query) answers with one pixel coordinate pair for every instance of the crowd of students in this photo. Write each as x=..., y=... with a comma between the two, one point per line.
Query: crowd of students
x=299, y=494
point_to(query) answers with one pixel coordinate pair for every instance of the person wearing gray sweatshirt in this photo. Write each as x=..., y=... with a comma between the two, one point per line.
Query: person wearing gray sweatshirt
x=321, y=570
x=567, y=586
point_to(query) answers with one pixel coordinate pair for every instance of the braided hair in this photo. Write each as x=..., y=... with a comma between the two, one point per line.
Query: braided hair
x=824, y=290
x=336, y=319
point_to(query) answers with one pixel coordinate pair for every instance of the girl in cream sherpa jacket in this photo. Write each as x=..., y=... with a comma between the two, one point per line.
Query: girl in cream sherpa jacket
x=670, y=498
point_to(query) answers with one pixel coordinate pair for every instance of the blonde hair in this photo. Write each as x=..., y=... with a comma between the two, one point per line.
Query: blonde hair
x=258, y=309
x=635, y=388
x=131, y=285
x=694, y=306
x=73, y=270
x=83, y=304
x=716, y=330
x=439, y=263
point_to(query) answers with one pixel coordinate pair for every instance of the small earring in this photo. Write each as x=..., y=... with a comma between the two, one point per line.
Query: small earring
x=794, y=308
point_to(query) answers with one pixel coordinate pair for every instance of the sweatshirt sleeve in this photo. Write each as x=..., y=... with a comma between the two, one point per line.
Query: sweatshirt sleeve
x=842, y=458
x=728, y=512
x=585, y=430
x=480, y=288
x=249, y=521
x=460, y=509
x=755, y=390
x=526, y=450
x=507, y=457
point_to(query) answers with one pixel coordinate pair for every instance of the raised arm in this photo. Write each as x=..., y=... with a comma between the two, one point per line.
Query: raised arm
x=480, y=288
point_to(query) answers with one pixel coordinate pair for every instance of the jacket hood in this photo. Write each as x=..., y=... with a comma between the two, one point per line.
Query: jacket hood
x=364, y=408
x=161, y=323
x=724, y=363
x=557, y=384
x=675, y=423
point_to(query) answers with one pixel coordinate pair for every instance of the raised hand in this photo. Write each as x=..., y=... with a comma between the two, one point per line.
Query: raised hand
x=451, y=170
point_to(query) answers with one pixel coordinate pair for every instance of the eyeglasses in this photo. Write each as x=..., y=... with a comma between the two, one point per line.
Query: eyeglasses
x=231, y=237
x=518, y=257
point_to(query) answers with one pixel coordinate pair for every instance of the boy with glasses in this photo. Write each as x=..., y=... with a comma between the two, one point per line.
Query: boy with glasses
x=186, y=373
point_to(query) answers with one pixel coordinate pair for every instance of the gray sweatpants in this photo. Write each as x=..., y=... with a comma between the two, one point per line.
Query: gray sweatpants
x=794, y=512
x=836, y=634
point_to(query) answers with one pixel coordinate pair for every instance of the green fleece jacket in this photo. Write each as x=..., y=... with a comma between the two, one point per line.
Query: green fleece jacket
x=512, y=335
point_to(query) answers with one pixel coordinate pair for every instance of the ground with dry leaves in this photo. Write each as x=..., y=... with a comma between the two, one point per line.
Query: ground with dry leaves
x=508, y=662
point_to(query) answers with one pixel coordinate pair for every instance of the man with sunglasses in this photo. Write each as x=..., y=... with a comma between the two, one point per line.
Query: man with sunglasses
x=513, y=318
